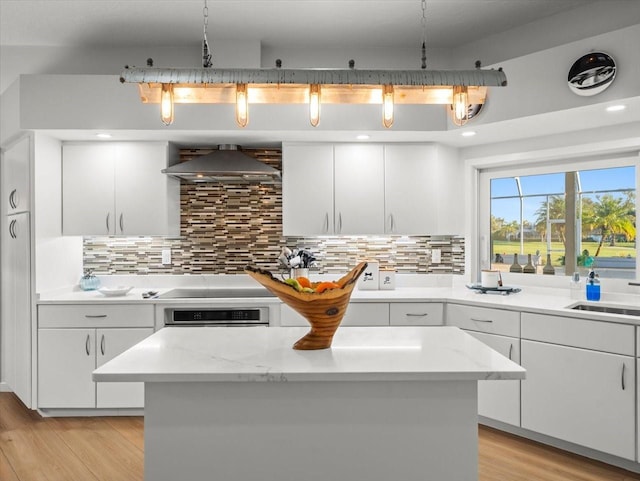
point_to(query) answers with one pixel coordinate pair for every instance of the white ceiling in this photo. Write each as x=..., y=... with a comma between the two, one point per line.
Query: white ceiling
x=276, y=23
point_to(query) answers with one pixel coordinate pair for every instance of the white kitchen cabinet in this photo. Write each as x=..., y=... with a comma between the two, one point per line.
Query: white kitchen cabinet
x=118, y=189
x=484, y=319
x=307, y=189
x=16, y=160
x=411, y=189
x=581, y=396
x=75, y=339
x=416, y=314
x=359, y=189
x=358, y=314
x=500, y=400
x=17, y=331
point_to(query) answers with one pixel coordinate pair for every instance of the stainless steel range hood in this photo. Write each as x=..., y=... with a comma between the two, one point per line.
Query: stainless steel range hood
x=227, y=165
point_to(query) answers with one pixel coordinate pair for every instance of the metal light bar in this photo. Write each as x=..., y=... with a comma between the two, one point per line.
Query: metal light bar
x=292, y=85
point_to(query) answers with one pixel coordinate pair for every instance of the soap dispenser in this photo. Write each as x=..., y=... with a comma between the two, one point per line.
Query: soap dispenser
x=593, y=286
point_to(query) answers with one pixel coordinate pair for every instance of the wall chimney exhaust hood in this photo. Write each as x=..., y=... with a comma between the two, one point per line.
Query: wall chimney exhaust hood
x=227, y=165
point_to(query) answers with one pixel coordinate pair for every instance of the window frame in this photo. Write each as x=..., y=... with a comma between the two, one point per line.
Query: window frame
x=485, y=175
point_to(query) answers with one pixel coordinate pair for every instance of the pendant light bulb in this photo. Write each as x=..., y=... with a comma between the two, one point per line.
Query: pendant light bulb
x=460, y=105
x=387, y=105
x=314, y=104
x=166, y=104
x=242, y=105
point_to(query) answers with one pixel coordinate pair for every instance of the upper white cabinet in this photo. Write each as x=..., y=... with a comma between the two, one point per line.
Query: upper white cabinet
x=15, y=189
x=410, y=189
x=359, y=189
x=118, y=189
x=370, y=189
x=307, y=189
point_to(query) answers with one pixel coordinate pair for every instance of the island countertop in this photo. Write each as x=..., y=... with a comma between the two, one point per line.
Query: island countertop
x=210, y=354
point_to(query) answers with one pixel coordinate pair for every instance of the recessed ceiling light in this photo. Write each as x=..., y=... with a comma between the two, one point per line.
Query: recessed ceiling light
x=468, y=133
x=103, y=136
x=362, y=137
x=616, y=108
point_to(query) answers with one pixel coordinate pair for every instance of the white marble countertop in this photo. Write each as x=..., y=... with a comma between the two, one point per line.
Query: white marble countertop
x=210, y=354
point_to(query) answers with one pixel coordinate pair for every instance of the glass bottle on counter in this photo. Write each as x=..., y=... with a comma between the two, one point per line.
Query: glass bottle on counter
x=548, y=268
x=515, y=267
x=529, y=268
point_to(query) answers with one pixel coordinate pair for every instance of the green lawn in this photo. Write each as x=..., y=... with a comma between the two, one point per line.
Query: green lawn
x=621, y=249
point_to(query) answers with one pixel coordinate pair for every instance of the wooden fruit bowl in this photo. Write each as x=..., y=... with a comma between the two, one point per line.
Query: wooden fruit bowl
x=324, y=311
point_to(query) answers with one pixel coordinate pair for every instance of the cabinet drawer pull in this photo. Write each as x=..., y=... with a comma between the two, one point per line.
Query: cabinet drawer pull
x=409, y=314
x=510, y=351
x=481, y=320
x=95, y=316
x=12, y=229
x=622, y=377
x=102, y=345
x=87, y=345
x=12, y=199
x=121, y=223
x=108, y=214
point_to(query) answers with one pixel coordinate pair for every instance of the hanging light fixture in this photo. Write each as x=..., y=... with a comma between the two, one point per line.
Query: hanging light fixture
x=209, y=85
x=387, y=106
x=460, y=105
x=314, y=104
x=166, y=104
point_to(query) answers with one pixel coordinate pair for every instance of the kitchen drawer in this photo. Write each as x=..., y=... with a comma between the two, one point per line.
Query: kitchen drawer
x=95, y=315
x=569, y=331
x=483, y=319
x=358, y=314
x=416, y=314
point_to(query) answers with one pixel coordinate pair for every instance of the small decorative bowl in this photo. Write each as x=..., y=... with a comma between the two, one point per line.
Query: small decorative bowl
x=324, y=311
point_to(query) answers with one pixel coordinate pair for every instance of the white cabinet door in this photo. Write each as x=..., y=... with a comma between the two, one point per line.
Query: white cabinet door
x=88, y=187
x=416, y=314
x=307, y=189
x=147, y=201
x=16, y=306
x=500, y=400
x=15, y=186
x=66, y=359
x=110, y=343
x=581, y=396
x=359, y=189
x=358, y=314
x=411, y=189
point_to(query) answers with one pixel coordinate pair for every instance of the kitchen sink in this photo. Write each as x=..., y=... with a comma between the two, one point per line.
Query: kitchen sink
x=625, y=311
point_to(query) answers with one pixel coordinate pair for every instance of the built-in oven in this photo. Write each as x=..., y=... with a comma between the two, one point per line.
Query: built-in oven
x=217, y=307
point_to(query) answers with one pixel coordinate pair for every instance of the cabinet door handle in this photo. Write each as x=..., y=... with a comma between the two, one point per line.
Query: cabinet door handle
x=12, y=231
x=393, y=224
x=102, y=345
x=510, y=351
x=410, y=314
x=95, y=316
x=622, y=377
x=87, y=345
x=481, y=320
x=108, y=214
x=12, y=199
x=325, y=227
x=121, y=223
x=339, y=223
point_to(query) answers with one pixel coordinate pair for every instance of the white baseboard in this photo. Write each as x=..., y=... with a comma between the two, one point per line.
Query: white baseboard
x=4, y=387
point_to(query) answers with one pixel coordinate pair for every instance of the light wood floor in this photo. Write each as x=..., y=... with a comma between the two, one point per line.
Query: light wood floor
x=33, y=448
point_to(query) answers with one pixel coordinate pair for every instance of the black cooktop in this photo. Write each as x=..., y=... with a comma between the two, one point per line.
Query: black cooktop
x=223, y=293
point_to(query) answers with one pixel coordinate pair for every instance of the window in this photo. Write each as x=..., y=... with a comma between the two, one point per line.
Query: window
x=560, y=222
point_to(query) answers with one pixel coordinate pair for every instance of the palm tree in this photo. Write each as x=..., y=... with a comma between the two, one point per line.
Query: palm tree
x=556, y=211
x=612, y=216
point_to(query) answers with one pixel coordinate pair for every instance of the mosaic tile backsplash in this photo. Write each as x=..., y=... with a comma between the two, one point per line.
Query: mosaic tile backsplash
x=224, y=228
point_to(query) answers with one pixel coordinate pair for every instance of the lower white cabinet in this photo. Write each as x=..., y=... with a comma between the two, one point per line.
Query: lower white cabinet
x=66, y=359
x=416, y=313
x=581, y=396
x=500, y=400
x=358, y=314
x=74, y=339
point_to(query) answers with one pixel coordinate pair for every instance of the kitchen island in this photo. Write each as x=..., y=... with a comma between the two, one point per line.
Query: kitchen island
x=241, y=404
